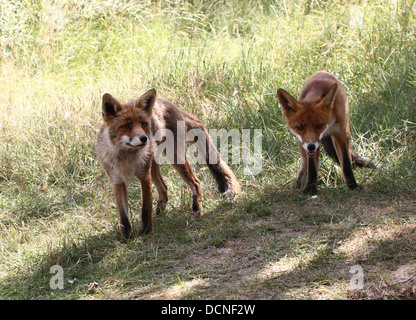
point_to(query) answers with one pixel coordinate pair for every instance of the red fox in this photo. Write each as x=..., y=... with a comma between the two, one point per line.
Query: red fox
x=320, y=116
x=125, y=148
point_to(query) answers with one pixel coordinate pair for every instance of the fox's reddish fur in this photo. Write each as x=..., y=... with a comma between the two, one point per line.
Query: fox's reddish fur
x=320, y=116
x=125, y=148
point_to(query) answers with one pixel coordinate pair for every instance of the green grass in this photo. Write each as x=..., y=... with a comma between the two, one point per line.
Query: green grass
x=223, y=61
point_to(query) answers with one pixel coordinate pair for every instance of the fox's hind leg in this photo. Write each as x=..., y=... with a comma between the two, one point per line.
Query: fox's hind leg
x=185, y=171
x=161, y=188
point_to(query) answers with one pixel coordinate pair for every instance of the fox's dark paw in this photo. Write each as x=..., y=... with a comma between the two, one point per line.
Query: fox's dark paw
x=310, y=190
x=197, y=209
x=126, y=232
x=352, y=185
x=146, y=230
x=160, y=207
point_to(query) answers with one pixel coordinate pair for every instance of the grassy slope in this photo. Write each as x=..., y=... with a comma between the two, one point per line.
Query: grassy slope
x=223, y=62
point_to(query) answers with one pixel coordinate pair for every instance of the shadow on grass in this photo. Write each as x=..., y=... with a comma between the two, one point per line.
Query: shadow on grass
x=274, y=244
x=297, y=256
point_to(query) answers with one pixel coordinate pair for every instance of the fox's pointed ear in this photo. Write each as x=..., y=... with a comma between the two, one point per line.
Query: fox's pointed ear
x=288, y=104
x=328, y=97
x=110, y=107
x=147, y=101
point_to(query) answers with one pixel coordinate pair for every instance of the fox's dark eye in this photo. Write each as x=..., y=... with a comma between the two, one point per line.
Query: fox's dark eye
x=125, y=126
x=144, y=124
x=300, y=128
x=319, y=126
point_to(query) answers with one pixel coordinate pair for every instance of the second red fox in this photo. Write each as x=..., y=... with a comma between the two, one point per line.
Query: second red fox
x=320, y=117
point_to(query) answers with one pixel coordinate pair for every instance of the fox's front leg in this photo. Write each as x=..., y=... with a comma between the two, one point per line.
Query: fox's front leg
x=313, y=163
x=147, y=219
x=303, y=172
x=344, y=156
x=120, y=193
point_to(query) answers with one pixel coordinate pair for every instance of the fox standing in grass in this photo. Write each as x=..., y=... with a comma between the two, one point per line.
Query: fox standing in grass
x=320, y=116
x=126, y=145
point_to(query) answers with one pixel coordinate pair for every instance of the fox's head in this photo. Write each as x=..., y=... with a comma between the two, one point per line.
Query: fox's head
x=309, y=120
x=129, y=124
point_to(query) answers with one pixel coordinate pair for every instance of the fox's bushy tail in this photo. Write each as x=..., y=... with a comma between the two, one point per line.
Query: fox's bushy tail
x=362, y=162
x=227, y=182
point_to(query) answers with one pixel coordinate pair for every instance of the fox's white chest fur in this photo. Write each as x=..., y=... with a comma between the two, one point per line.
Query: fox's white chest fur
x=122, y=164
